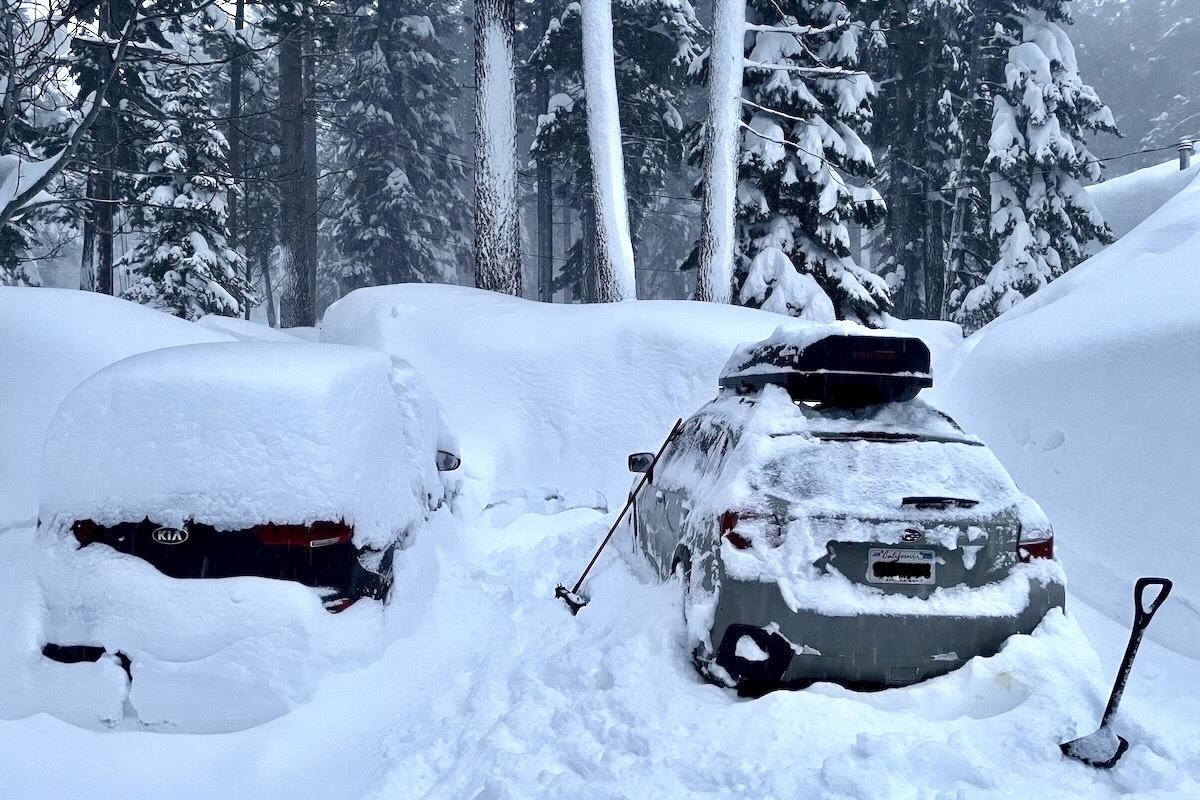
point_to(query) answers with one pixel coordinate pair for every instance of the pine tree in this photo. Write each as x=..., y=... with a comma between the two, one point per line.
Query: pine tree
x=182, y=261
x=807, y=106
x=1041, y=218
x=918, y=137
x=404, y=214
x=655, y=42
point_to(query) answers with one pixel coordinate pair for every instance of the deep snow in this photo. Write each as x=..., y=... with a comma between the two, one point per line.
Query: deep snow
x=1087, y=392
x=50, y=340
x=475, y=683
x=237, y=434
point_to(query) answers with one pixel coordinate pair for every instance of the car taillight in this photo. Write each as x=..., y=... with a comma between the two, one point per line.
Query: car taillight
x=319, y=534
x=743, y=528
x=339, y=604
x=84, y=530
x=1035, y=544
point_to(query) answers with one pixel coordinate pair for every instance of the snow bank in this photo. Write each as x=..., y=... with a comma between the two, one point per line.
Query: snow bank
x=248, y=331
x=551, y=395
x=207, y=656
x=51, y=340
x=237, y=434
x=1087, y=392
x=1128, y=200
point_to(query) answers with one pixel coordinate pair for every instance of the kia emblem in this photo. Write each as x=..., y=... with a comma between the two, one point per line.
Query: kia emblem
x=169, y=536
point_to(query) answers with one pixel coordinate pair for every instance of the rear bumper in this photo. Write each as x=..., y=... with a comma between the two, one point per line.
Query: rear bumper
x=866, y=651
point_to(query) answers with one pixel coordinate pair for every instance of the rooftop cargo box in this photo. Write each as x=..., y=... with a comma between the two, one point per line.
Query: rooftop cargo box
x=829, y=364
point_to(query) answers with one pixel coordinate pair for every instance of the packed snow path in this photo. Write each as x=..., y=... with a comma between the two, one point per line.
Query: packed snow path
x=493, y=690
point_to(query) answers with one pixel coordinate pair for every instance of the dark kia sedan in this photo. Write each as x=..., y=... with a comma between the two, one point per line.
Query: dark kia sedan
x=308, y=463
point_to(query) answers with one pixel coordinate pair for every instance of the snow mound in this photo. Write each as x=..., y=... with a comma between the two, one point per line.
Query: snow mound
x=1087, y=392
x=1129, y=200
x=248, y=331
x=550, y=395
x=237, y=434
x=52, y=340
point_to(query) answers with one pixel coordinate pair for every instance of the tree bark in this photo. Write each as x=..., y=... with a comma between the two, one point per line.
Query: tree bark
x=87, y=265
x=545, y=186
x=235, y=138
x=497, y=227
x=722, y=142
x=615, y=279
x=296, y=305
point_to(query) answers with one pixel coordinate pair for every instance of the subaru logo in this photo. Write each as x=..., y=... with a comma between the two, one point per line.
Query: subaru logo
x=912, y=535
x=169, y=536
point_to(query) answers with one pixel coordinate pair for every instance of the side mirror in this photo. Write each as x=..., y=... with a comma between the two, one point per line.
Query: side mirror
x=447, y=462
x=640, y=462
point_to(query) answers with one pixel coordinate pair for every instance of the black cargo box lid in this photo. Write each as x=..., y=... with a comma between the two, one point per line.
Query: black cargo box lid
x=836, y=364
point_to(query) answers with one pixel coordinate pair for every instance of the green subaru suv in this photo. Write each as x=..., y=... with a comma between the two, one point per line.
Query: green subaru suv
x=829, y=525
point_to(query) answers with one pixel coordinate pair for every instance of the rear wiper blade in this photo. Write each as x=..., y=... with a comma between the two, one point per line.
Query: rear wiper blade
x=868, y=436
x=939, y=502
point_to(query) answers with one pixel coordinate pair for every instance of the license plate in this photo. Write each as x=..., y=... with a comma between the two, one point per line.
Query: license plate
x=901, y=565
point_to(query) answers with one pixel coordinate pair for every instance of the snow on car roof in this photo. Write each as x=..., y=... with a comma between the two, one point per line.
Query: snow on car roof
x=243, y=433
x=53, y=340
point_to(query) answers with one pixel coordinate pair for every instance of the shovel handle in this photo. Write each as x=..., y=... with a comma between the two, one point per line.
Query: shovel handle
x=1146, y=612
x=675, y=429
x=1143, y=613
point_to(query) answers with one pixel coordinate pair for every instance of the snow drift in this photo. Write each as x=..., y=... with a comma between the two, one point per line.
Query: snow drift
x=1087, y=392
x=551, y=395
x=1128, y=200
x=52, y=340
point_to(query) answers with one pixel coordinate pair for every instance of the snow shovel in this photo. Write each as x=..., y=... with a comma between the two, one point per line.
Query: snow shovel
x=1104, y=748
x=572, y=597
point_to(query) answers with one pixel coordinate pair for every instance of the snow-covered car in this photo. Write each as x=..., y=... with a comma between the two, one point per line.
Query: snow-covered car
x=299, y=462
x=830, y=526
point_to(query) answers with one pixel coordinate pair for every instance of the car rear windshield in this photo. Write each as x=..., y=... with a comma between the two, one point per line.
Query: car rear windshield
x=865, y=475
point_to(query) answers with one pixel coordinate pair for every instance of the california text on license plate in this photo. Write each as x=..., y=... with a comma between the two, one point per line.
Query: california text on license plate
x=900, y=565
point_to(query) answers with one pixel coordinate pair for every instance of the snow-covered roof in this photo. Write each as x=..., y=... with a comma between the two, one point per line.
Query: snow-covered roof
x=243, y=433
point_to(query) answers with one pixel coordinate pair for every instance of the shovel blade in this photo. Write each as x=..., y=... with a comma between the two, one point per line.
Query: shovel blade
x=573, y=601
x=1101, y=749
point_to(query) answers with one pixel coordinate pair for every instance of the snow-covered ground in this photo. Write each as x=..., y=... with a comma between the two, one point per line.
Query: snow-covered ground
x=485, y=687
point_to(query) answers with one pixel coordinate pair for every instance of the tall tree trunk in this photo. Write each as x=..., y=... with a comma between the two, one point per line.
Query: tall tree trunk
x=497, y=227
x=296, y=305
x=87, y=264
x=545, y=186
x=265, y=267
x=311, y=215
x=104, y=201
x=722, y=142
x=589, y=252
x=235, y=138
x=615, y=278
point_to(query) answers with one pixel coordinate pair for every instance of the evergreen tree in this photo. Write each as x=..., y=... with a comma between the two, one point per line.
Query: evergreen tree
x=917, y=135
x=655, y=42
x=404, y=215
x=1041, y=218
x=182, y=261
x=807, y=107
